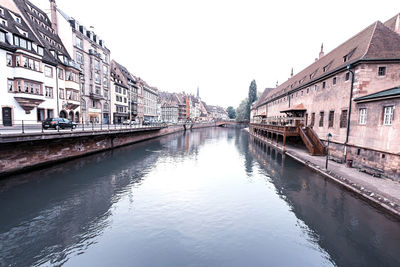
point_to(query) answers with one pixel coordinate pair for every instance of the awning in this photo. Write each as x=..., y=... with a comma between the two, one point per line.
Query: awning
x=260, y=115
x=299, y=107
x=386, y=94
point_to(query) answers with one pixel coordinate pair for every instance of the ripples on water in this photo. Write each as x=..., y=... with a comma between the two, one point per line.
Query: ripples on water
x=211, y=197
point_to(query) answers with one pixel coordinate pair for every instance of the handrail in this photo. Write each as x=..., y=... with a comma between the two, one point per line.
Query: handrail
x=320, y=146
x=306, y=140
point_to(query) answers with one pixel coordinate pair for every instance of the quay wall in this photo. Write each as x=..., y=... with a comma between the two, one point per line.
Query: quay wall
x=29, y=151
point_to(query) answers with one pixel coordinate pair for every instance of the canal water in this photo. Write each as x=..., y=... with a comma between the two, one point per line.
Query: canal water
x=209, y=197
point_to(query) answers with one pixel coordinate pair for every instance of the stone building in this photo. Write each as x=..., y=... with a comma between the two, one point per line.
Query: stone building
x=123, y=94
x=93, y=57
x=350, y=93
x=147, y=102
x=36, y=67
x=181, y=107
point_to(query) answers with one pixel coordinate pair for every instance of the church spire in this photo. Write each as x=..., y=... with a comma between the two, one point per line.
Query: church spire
x=321, y=54
x=198, y=94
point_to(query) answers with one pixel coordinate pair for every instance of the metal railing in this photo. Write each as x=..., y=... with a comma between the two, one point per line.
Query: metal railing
x=281, y=121
x=33, y=126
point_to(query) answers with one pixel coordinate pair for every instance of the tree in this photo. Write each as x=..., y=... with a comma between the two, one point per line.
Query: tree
x=241, y=110
x=231, y=112
x=252, y=98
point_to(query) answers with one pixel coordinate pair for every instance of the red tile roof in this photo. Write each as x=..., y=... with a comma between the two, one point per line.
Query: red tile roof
x=375, y=42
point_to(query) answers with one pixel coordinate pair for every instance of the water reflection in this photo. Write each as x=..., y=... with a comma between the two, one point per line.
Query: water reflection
x=211, y=197
x=351, y=231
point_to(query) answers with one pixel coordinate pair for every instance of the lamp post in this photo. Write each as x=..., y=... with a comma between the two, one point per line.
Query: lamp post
x=327, y=151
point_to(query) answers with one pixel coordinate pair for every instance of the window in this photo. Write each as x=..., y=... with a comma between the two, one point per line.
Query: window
x=79, y=57
x=16, y=40
x=97, y=64
x=40, y=50
x=347, y=76
x=388, y=115
x=61, y=74
x=343, y=119
x=334, y=81
x=363, y=116
x=97, y=78
x=49, y=92
x=331, y=118
x=30, y=63
x=40, y=114
x=38, y=89
x=9, y=60
x=48, y=71
x=321, y=119
x=22, y=43
x=24, y=62
x=69, y=94
x=50, y=113
x=10, y=86
x=79, y=43
x=323, y=85
x=36, y=65
x=2, y=37
x=83, y=104
x=105, y=70
x=61, y=95
x=381, y=71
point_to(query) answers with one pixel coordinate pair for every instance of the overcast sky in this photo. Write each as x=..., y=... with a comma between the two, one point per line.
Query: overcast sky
x=218, y=45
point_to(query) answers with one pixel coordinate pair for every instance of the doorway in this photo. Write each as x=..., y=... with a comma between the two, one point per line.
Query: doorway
x=7, y=119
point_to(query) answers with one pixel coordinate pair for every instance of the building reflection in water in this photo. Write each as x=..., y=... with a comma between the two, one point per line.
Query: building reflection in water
x=72, y=201
x=337, y=219
x=50, y=215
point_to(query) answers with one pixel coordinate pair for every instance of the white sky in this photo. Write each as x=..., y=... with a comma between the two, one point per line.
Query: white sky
x=222, y=45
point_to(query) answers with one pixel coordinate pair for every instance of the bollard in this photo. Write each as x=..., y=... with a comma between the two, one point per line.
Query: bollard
x=23, y=130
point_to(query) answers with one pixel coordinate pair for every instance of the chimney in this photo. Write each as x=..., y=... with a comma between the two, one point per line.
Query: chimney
x=321, y=54
x=53, y=9
x=291, y=73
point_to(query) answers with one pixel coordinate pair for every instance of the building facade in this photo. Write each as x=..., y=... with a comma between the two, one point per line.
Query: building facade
x=36, y=63
x=148, y=101
x=93, y=57
x=350, y=93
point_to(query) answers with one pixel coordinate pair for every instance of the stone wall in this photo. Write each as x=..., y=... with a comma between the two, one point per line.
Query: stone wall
x=23, y=155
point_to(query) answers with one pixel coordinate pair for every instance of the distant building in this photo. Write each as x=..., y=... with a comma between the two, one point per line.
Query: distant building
x=149, y=97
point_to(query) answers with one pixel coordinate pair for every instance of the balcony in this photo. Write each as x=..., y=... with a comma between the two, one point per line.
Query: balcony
x=96, y=96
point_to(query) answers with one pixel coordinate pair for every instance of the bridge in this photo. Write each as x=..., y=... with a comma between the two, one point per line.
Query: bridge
x=233, y=123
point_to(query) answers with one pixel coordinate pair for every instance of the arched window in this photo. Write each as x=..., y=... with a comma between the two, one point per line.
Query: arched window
x=71, y=116
x=63, y=114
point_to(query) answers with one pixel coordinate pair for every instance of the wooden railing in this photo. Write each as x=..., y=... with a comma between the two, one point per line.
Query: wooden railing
x=306, y=140
x=320, y=148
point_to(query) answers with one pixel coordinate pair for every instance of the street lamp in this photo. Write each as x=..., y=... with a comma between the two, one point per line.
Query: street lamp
x=327, y=151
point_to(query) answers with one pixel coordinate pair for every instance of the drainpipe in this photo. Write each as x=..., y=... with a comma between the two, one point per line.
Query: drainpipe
x=349, y=113
x=57, y=94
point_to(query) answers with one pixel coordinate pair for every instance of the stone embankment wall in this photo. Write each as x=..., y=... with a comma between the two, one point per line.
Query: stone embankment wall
x=34, y=150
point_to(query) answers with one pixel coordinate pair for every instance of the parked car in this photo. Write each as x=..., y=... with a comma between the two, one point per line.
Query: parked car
x=129, y=122
x=58, y=123
x=146, y=122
